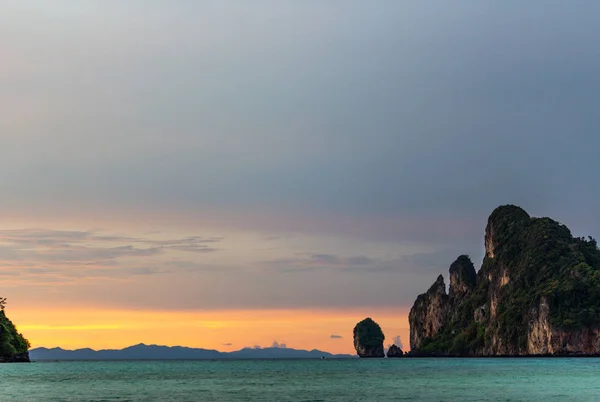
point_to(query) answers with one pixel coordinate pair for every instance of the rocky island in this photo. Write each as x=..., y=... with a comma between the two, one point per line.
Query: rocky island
x=394, y=351
x=13, y=346
x=368, y=339
x=537, y=293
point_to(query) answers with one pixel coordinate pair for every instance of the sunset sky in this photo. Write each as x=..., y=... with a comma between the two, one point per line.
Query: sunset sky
x=224, y=174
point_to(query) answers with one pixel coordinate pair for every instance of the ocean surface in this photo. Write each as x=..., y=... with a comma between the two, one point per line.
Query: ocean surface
x=543, y=379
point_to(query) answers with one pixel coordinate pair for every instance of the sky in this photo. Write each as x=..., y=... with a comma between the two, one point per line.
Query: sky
x=229, y=174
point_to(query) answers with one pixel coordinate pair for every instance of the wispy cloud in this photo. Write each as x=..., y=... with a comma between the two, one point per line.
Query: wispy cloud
x=62, y=239
x=192, y=266
x=434, y=261
x=304, y=261
x=334, y=336
x=278, y=345
x=46, y=255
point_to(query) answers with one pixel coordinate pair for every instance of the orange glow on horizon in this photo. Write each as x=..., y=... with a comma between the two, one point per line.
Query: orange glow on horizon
x=222, y=330
x=57, y=304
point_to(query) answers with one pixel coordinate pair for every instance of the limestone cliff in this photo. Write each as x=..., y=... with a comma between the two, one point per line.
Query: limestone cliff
x=429, y=313
x=537, y=293
x=368, y=339
x=462, y=278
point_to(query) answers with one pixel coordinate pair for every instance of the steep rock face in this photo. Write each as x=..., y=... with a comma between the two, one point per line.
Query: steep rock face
x=395, y=351
x=544, y=339
x=539, y=334
x=368, y=339
x=537, y=293
x=503, y=225
x=462, y=277
x=429, y=313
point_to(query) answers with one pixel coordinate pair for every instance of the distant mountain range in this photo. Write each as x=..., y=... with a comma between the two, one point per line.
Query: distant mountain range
x=156, y=352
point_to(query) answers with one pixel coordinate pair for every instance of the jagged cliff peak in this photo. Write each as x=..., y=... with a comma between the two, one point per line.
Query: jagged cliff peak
x=503, y=223
x=429, y=313
x=462, y=276
x=537, y=292
x=438, y=287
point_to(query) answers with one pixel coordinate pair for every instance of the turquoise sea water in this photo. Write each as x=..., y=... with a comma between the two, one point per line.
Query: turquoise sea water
x=305, y=380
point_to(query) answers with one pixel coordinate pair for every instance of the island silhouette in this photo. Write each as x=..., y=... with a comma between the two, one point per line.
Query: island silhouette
x=159, y=352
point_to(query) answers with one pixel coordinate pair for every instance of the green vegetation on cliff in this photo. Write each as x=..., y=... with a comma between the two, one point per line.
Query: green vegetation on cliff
x=549, y=262
x=368, y=339
x=529, y=262
x=11, y=341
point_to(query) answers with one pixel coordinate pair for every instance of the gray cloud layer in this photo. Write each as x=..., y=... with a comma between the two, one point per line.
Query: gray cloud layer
x=395, y=121
x=43, y=255
x=362, y=264
x=399, y=108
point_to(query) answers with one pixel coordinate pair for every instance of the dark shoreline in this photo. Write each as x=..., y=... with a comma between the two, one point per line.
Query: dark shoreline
x=16, y=358
x=422, y=356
